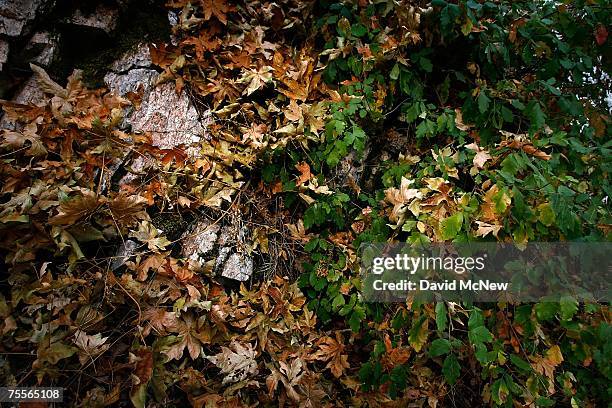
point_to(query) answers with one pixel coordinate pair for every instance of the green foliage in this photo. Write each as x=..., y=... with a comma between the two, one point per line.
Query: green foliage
x=511, y=77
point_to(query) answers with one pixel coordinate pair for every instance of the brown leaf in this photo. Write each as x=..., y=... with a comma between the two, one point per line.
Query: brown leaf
x=128, y=210
x=76, y=209
x=331, y=350
x=305, y=174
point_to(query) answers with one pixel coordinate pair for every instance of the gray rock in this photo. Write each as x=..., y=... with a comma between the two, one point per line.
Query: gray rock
x=170, y=118
x=103, y=18
x=15, y=15
x=130, y=81
x=138, y=57
x=199, y=243
x=30, y=93
x=207, y=242
x=132, y=71
x=124, y=253
x=4, y=50
x=46, y=46
x=238, y=267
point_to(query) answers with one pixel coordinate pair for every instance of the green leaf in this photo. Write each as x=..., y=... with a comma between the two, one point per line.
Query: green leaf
x=451, y=369
x=520, y=363
x=441, y=318
x=338, y=301
x=356, y=318
x=535, y=115
x=439, y=347
x=480, y=335
x=483, y=102
x=417, y=336
x=359, y=30
x=395, y=72
x=568, y=306
x=476, y=319
x=499, y=391
x=426, y=64
x=546, y=310
x=451, y=226
x=138, y=395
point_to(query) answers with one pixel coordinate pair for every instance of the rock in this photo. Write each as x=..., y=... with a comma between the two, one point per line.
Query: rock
x=138, y=57
x=103, y=18
x=4, y=50
x=200, y=242
x=44, y=46
x=124, y=253
x=30, y=93
x=209, y=244
x=132, y=71
x=130, y=81
x=238, y=267
x=170, y=118
x=15, y=15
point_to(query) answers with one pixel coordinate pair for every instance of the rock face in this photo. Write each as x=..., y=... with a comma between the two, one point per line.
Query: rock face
x=44, y=46
x=103, y=18
x=168, y=116
x=132, y=71
x=171, y=118
x=15, y=15
x=218, y=248
x=4, y=50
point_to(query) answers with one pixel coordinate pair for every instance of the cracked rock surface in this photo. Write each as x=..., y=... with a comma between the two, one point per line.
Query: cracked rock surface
x=218, y=248
x=170, y=117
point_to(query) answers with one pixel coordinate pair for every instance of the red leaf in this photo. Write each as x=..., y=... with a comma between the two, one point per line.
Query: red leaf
x=601, y=35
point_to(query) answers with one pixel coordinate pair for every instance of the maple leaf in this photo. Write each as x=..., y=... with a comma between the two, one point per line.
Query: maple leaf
x=255, y=135
x=148, y=234
x=46, y=84
x=290, y=376
x=237, y=362
x=394, y=355
x=218, y=8
x=188, y=338
x=90, y=346
x=182, y=273
x=76, y=209
x=155, y=262
x=519, y=142
x=222, y=89
x=459, y=121
x=481, y=157
x=256, y=79
x=161, y=320
x=331, y=350
x=28, y=134
x=305, y=174
x=546, y=365
x=485, y=229
x=142, y=359
x=495, y=205
x=127, y=210
x=402, y=199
